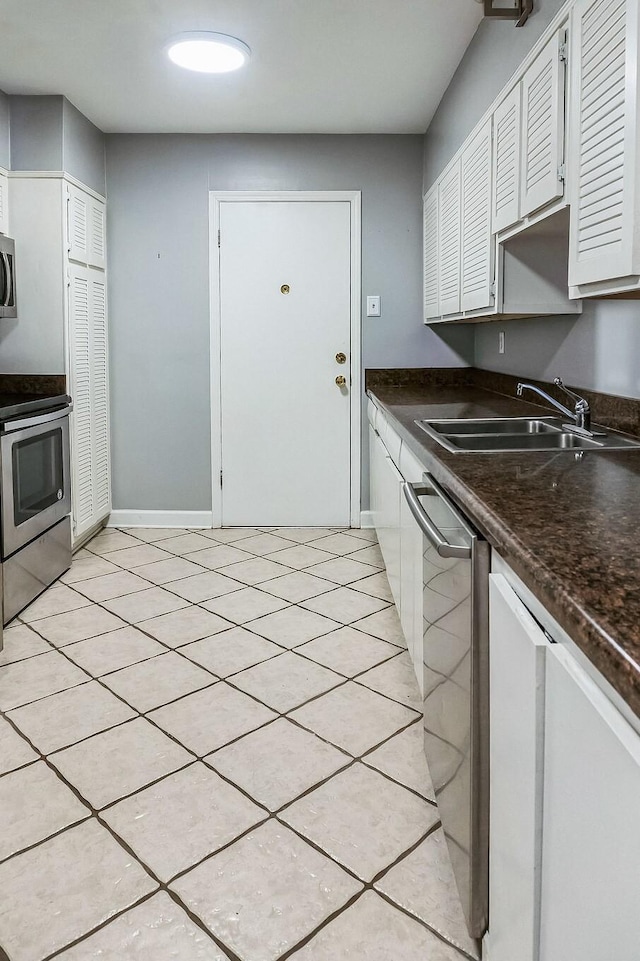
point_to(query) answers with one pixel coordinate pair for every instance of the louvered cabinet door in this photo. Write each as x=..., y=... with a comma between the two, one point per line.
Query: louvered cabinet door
x=449, y=242
x=604, y=140
x=4, y=204
x=78, y=214
x=96, y=234
x=82, y=497
x=506, y=161
x=430, y=255
x=476, y=261
x=100, y=456
x=543, y=129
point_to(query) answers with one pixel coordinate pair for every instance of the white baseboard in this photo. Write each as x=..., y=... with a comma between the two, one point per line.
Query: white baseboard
x=182, y=519
x=366, y=519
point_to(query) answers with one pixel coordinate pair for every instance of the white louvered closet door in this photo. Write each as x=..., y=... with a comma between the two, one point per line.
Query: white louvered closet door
x=430, y=254
x=86, y=228
x=101, y=473
x=82, y=494
x=4, y=204
x=77, y=225
x=543, y=129
x=506, y=161
x=449, y=242
x=477, y=275
x=88, y=346
x=604, y=131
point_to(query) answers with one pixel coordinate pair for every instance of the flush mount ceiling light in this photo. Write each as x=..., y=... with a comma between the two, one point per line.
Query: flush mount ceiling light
x=208, y=52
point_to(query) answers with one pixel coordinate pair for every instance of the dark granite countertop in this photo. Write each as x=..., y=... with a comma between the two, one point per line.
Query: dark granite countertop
x=567, y=526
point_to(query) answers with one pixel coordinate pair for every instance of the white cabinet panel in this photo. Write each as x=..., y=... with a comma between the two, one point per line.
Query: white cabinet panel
x=517, y=648
x=386, y=482
x=86, y=228
x=4, y=203
x=411, y=587
x=543, y=129
x=506, y=161
x=476, y=261
x=604, y=133
x=449, y=210
x=591, y=830
x=430, y=254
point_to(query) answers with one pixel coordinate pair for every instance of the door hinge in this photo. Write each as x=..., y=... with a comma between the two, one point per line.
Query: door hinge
x=220, y=478
x=564, y=50
x=561, y=173
x=218, y=238
x=492, y=291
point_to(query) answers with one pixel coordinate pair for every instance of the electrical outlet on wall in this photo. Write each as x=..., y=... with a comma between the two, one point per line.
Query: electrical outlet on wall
x=501, y=342
x=373, y=306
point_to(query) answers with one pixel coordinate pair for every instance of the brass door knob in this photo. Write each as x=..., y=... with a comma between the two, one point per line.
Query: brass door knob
x=341, y=381
x=341, y=358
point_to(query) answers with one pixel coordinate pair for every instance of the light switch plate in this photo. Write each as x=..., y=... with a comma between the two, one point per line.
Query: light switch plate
x=373, y=306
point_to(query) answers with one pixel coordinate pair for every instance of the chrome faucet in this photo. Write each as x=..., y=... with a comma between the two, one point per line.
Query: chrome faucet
x=581, y=414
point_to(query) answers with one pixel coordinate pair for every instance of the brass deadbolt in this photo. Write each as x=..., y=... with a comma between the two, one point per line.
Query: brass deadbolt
x=341, y=381
x=285, y=289
x=341, y=358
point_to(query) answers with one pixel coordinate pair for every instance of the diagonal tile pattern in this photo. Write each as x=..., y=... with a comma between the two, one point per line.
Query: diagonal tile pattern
x=238, y=706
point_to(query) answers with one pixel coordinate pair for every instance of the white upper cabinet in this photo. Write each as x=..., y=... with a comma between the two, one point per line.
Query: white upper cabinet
x=449, y=209
x=542, y=153
x=506, y=161
x=430, y=254
x=476, y=262
x=604, y=161
x=86, y=228
x=4, y=203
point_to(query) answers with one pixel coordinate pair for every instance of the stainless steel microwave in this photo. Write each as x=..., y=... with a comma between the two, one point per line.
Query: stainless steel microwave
x=7, y=278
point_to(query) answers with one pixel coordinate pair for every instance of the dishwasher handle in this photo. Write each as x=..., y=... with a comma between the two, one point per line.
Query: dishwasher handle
x=412, y=492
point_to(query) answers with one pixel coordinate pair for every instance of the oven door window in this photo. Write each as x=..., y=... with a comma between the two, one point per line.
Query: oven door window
x=38, y=480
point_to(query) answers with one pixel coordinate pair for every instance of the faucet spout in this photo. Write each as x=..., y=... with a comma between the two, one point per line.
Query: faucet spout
x=582, y=412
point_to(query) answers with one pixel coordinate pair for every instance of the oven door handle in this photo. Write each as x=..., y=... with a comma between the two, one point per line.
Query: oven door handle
x=412, y=492
x=5, y=287
x=12, y=425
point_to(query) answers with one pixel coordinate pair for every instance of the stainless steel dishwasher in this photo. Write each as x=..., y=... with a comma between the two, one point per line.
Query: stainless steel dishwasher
x=455, y=585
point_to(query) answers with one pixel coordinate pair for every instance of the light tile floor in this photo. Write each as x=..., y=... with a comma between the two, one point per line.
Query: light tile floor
x=210, y=750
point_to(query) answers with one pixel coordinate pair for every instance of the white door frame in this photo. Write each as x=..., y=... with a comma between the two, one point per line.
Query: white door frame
x=353, y=197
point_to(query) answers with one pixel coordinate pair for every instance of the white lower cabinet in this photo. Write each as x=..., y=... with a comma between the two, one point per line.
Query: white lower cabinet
x=516, y=654
x=386, y=489
x=590, y=830
x=565, y=785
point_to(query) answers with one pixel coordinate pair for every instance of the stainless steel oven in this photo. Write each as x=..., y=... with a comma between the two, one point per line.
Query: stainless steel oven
x=455, y=586
x=36, y=488
x=8, y=307
x=35, y=494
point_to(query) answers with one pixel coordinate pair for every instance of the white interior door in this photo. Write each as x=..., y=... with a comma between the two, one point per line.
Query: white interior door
x=285, y=312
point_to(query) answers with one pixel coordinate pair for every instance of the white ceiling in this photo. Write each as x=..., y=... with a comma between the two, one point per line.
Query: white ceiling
x=318, y=66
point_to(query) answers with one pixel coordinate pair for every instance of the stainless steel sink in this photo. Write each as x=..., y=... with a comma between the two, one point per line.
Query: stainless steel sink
x=520, y=434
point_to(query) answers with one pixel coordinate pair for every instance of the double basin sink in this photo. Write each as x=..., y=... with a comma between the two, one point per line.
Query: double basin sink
x=520, y=434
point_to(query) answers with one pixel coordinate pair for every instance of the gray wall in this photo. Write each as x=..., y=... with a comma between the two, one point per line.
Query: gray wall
x=36, y=133
x=5, y=143
x=494, y=54
x=83, y=148
x=49, y=133
x=159, y=283
x=599, y=350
